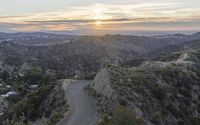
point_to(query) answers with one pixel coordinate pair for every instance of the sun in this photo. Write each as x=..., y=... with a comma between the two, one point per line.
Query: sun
x=98, y=23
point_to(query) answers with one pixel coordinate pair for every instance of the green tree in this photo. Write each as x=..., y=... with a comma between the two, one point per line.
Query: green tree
x=5, y=75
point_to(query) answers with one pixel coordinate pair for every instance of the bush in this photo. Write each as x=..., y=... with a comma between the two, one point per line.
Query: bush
x=35, y=99
x=15, y=121
x=158, y=118
x=5, y=75
x=159, y=92
x=123, y=116
x=34, y=76
x=56, y=118
x=195, y=121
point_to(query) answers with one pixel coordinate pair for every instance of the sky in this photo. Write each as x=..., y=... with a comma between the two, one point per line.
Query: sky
x=99, y=16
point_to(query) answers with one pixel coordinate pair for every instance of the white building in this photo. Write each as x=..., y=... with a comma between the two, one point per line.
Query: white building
x=9, y=94
x=33, y=86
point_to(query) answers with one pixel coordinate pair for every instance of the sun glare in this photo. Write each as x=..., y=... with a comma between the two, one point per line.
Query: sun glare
x=98, y=23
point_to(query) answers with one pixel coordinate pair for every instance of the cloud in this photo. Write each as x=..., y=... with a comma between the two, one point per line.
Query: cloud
x=139, y=16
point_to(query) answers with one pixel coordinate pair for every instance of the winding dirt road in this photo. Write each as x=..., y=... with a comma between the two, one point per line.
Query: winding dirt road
x=82, y=106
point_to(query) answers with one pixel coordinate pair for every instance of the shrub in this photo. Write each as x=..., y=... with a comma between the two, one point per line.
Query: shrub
x=158, y=118
x=159, y=92
x=123, y=116
x=15, y=121
x=195, y=121
x=56, y=118
x=35, y=99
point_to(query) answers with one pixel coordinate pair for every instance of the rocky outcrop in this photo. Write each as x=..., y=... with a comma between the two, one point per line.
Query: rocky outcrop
x=103, y=91
x=102, y=85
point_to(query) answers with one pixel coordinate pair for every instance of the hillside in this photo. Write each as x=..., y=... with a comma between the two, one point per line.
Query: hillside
x=60, y=54
x=160, y=92
x=147, y=80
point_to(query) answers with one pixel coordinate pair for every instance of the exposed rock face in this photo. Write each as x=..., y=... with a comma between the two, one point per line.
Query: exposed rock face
x=102, y=84
x=101, y=87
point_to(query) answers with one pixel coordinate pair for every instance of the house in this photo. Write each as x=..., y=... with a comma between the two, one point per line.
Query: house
x=8, y=86
x=9, y=94
x=33, y=86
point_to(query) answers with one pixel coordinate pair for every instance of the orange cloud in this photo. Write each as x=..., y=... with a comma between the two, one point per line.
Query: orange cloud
x=146, y=16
